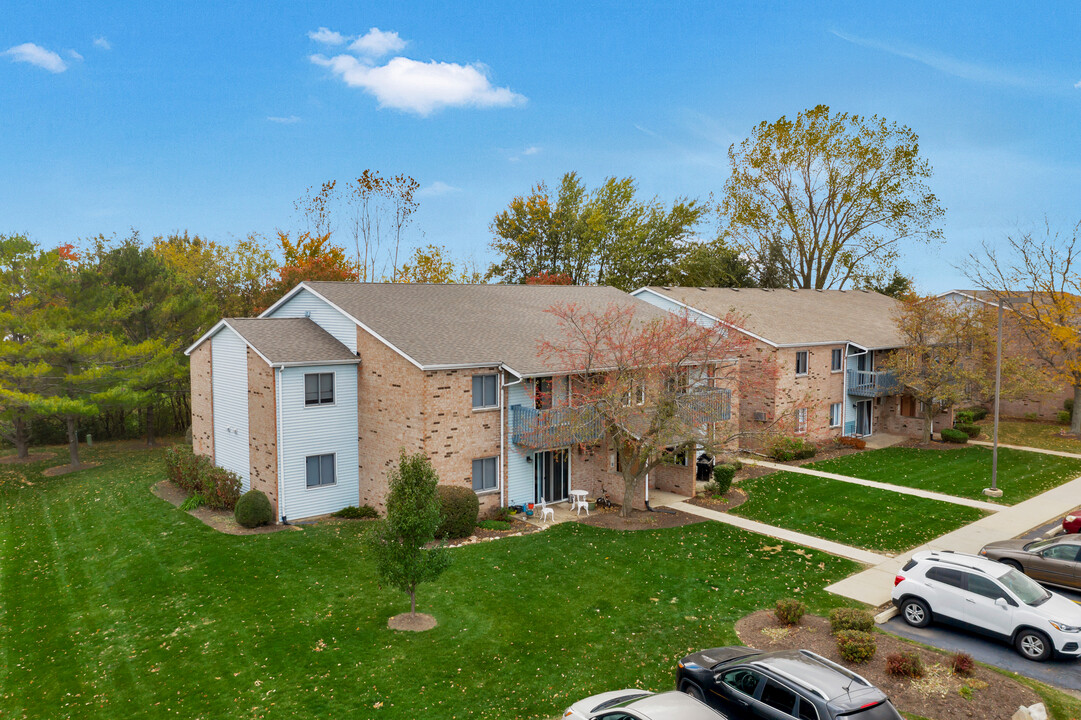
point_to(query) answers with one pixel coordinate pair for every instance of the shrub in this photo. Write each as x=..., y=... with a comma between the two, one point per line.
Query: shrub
x=852, y=442
x=851, y=619
x=722, y=479
x=1031, y=416
x=906, y=664
x=494, y=525
x=195, y=474
x=1063, y=417
x=978, y=412
x=460, y=508
x=971, y=430
x=856, y=646
x=962, y=664
x=789, y=448
x=500, y=513
x=1067, y=405
x=352, y=512
x=789, y=611
x=950, y=435
x=193, y=501
x=963, y=417
x=253, y=509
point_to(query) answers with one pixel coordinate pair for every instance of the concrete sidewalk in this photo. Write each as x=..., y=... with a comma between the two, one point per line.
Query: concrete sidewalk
x=899, y=489
x=1026, y=448
x=833, y=548
x=873, y=586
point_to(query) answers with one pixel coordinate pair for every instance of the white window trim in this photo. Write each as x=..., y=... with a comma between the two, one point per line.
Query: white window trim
x=498, y=476
x=842, y=367
x=801, y=421
x=327, y=485
x=498, y=399
x=840, y=412
x=304, y=391
x=806, y=363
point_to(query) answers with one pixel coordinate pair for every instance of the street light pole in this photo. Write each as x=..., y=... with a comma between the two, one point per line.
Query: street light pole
x=993, y=491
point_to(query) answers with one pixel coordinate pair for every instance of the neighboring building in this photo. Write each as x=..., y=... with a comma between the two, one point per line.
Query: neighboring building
x=826, y=346
x=313, y=401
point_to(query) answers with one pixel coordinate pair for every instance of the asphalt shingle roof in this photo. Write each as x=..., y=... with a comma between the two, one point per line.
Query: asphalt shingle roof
x=291, y=340
x=471, y=324
x=799, y=317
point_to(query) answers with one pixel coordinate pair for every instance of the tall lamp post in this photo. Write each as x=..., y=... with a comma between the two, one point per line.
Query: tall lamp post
x=994, y=491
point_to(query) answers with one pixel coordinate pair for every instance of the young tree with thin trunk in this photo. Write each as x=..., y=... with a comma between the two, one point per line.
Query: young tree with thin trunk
x=829, y=196
x=1038, y=280
x=413, y=516
x=656, y=387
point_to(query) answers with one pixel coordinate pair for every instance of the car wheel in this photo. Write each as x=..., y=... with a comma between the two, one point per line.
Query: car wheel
x=916, y=613
x=1033, y=645
x=694, y=691
x=1014, y=564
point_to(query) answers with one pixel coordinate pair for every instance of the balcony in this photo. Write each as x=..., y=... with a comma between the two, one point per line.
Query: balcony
x=862, y=383
x=559, y=427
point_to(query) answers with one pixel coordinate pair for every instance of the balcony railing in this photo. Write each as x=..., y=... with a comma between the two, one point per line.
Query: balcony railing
x=863, y=383
x=558, y=427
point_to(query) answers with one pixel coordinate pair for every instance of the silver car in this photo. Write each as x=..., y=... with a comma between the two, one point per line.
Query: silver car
x=641, y=705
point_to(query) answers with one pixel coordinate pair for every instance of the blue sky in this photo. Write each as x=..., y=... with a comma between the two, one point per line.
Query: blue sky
x=215, y=117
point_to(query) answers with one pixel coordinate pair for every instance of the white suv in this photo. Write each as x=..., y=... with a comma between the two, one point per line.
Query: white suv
x=987, y=597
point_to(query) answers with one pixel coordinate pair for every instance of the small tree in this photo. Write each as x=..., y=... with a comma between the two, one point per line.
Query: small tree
x=652, y=384
x=413, y=516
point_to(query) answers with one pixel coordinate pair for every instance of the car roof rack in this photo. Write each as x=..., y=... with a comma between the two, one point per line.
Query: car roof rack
x=935, y=555
x=839, y=668
x=791, y=678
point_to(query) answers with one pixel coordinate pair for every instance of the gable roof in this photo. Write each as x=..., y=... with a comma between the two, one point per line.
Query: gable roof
x=285, y=341
x=787, y=318
x=440, y=326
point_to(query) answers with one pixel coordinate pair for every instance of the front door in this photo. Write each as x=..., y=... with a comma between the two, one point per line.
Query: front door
x=551, y=471
x=863, y=417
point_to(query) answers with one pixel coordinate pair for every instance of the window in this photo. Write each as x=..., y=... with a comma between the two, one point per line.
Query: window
x=908, y=406
x=319, y=389
x=779, y=697
x=801, y=362
x=636, y=396
x=835, y=415
x=1061, y=552
x=485, y=471
x=679, y=383
x=801, y=420
x=946, y=576
x=742, y=680
x=835, y=360
x=984, y=586
x=320, y=470
x=807, y=710
x=542, y=393
x=484, y=391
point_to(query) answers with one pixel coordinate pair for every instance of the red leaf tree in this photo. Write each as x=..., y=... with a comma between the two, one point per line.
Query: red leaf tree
x=657, y=387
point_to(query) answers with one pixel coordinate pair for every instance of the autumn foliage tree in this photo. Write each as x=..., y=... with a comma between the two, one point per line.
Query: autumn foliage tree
x=655, y=385
x=309, y=257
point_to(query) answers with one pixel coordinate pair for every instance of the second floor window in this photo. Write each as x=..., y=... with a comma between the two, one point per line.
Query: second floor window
x=801, y=362
x=636, y=396
x=484, y=391
x=319, y=389
x=835, y=360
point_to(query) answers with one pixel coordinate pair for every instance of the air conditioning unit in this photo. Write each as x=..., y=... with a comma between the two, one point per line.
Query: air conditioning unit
x=760, y=416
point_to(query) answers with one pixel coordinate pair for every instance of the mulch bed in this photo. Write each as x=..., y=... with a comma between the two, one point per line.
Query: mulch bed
x=639, y=519
x=66, y=469
x=221, y=520
x=732, y=499
x=31, y=458
x=937, y=694
x=518, y=527
x=412, y=623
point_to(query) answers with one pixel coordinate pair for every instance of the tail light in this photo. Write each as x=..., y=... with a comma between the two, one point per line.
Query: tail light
x=898, y=579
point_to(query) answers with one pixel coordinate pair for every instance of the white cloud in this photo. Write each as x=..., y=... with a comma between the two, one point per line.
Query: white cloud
x=377, y=43
x=437, y=188
x=419, y=87
x=1077, y=84
x=288, y=120
x=531, y=150
x=37, y=55
x=101, y=42
x=327, y=36
x=75, y=55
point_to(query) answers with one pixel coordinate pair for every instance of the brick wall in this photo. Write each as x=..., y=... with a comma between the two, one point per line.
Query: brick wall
x=202, y=402
x=888, y=419
x=263, y=428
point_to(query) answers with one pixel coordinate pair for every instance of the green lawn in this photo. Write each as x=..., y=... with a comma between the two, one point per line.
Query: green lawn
x=864, y=517
x=964, y=472
x=115, y=604
x=1031, y=434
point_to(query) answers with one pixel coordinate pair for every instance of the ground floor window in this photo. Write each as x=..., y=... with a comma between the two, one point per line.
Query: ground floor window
x=801, y=420
x=485, y=474
x=909, y=407
x=835, y=415
x=320, y=470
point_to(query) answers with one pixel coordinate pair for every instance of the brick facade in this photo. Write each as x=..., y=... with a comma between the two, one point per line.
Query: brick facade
x=262, y=428
x=202, y=402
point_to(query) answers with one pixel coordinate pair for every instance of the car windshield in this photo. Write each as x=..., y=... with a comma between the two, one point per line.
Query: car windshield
x=1026, y=589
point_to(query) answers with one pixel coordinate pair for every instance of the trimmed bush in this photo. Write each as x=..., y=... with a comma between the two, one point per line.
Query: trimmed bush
x=907, y=664
x=852, y=442
x=789, y=611
x=352, y=512
x=784, y=449
x=949, y=435
x=460, y=508
x=962, y=664
x=722, y=479
x=855, y=646
x=253, y=509
x=973, y=431
x=851, y=619
x=1063, y=417
x=195, y=474
x=978, y=412
x=963, y=417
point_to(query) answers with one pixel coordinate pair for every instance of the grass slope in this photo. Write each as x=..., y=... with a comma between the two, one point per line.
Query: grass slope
x=115, y=604
x=851, y=514
x=1031, y=434
x=964, y=472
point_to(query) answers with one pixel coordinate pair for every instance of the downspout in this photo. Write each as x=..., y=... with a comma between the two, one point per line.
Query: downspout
x=502, y=433
x=844, y=390
x=278, y=432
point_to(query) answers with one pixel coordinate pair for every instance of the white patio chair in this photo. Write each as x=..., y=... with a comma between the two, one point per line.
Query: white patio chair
x=580, y=503
x=546, y=511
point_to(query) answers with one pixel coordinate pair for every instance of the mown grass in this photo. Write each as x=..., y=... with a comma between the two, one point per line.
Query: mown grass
x=115, y=604
x=1031, y=434
x=863, y=517
x=964, y=472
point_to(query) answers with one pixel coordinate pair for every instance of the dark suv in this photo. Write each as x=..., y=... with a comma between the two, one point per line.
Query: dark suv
x=747, y=683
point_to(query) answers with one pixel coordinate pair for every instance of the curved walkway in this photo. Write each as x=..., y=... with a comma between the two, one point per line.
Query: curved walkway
x=1026, y=448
